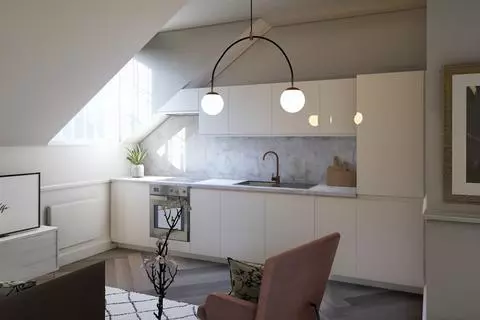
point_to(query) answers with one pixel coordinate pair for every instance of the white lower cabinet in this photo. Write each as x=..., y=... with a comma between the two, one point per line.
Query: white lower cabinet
x=290, y=222
x=340, y=215
x=130, y=213
x=390, y=241
x=205, y=217
x=243, y=226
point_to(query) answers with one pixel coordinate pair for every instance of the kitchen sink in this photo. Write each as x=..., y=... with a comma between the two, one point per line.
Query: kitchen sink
x=293, y=185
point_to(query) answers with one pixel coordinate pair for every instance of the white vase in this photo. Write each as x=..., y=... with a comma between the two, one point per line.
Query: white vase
x=137, y=171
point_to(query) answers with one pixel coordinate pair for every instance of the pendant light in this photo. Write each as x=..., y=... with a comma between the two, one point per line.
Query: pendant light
x=292, y=99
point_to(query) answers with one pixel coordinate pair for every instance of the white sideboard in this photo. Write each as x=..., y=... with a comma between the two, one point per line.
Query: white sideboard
x=30, y=254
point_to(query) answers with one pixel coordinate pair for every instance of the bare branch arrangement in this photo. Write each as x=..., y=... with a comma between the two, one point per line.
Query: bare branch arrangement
x=161, y=269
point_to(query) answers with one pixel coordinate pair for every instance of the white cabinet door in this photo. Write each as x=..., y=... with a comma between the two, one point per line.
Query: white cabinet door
x=296, y=124
x=390, y=241
x=250, y=110
x=184, y=101
x=290, y=222
x=390, y=138
x=214, y=125
x=243, y=226
x=205, y=222
x=130, y=213
x=340, y=215
x=337, y=107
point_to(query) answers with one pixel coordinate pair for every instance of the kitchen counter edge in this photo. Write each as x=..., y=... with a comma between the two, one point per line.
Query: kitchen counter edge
x=227, y=184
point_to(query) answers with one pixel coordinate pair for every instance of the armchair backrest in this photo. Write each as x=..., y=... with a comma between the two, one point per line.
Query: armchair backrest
x=294, y=281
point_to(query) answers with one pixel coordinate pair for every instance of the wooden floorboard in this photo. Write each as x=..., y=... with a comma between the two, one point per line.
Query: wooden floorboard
x=196, y=279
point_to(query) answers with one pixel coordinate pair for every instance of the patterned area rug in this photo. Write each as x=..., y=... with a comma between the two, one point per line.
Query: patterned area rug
x=125, y=305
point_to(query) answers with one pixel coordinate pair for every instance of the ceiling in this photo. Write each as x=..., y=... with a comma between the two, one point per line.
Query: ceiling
x=198, y=13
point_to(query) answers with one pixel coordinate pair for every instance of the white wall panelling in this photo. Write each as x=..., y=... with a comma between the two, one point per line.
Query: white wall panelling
x=82, y=214
x=390, y=140
x=29, y=254
x=77, y=221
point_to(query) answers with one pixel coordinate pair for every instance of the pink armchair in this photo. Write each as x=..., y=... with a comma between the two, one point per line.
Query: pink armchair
x=292, y=288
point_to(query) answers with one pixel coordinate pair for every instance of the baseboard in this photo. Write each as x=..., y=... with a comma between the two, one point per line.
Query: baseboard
x=83, y=251
x=376, y=284
x=173, y=253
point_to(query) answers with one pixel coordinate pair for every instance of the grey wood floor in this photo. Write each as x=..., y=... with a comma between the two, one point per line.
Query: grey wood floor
x=196, y=279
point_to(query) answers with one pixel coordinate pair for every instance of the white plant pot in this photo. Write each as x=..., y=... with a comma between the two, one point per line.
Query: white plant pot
x=137, y=171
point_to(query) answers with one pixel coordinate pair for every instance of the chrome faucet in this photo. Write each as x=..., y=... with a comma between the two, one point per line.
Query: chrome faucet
x=277, y=177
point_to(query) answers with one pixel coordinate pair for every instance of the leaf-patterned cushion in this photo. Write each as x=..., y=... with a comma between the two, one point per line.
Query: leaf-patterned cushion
x=246, y=279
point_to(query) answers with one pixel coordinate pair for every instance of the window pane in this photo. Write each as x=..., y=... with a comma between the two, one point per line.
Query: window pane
x=119, y=110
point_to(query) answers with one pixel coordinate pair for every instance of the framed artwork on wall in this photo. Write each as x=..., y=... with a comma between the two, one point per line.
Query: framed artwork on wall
x=462, y=134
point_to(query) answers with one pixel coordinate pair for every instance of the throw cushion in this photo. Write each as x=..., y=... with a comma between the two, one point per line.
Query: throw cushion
x=246, y=279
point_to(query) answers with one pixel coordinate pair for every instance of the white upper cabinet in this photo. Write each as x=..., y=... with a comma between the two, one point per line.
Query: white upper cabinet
x=250, y=110
x=390, y=138
x=284, y=123
x=337, y=107
x=184, y=101
x=214, y=125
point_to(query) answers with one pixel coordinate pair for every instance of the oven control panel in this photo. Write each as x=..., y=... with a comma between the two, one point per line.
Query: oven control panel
x=166, y=190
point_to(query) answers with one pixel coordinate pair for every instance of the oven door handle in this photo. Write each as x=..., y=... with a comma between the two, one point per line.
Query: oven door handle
x=157, y=199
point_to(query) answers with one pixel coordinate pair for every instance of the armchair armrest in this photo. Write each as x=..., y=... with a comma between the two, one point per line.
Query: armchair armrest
x=221, y=306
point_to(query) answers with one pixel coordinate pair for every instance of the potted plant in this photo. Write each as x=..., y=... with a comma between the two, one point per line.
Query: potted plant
x=136, y=156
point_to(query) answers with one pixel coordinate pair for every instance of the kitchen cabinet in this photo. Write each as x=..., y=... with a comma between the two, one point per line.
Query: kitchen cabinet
x=288, y=124
x=339, y=215
x=337, y=107
x=130, y=213
x=290, y=222
x=214, y=125
x=205, y=217
x=390, y=140
x=184, y=101
x=390, y=241
x=243, y=226
x=250, y=110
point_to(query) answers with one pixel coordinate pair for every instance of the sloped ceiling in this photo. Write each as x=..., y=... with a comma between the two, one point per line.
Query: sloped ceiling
x=198, y=13
x=56, y=54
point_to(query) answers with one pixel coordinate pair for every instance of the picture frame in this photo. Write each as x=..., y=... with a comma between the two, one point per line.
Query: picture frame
x=19, y=202
x=461, y=167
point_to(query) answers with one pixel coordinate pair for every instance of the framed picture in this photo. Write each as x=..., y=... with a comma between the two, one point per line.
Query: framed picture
x=462, y=134
x=19, y=203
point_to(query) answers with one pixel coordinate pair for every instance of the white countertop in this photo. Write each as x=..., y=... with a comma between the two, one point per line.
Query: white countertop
x=228, y=184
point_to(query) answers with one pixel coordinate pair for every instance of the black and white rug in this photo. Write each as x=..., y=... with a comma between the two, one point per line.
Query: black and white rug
x=125, y=305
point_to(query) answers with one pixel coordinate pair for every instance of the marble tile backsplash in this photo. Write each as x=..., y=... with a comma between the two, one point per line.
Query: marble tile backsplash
x=176, y=149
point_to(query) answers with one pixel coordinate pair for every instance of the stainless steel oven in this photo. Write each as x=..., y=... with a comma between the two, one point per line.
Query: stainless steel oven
x=161, y=198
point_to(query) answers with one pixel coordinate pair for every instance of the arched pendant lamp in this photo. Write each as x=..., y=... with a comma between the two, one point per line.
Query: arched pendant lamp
x=292, y=99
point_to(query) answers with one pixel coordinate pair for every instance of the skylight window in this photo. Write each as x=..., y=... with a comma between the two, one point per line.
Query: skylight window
x=121, y=109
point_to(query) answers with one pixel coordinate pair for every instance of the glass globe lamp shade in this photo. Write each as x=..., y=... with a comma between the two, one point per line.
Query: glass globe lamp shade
x=212, y=103
x=292, y=100
x=358, y=118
